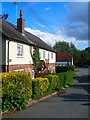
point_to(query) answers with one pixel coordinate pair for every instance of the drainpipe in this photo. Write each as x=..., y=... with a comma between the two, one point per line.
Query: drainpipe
x=8, y=57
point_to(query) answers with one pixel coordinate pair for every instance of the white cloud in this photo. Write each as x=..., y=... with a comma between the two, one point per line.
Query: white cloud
x=46, y=37
x=51, y=39
x=47, y=9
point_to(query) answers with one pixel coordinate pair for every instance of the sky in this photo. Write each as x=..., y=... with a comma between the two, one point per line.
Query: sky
x=53, y=21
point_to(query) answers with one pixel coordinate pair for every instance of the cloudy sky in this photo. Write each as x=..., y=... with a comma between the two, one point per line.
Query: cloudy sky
x=53, y=21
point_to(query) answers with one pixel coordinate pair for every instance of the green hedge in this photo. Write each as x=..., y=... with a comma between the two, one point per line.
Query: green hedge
x=39, y=87
x=65, y=68
x=53, y=83
x=16, y=89
x=66, y=78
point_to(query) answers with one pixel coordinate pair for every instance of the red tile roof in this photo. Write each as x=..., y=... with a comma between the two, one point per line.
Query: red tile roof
x=62, y=57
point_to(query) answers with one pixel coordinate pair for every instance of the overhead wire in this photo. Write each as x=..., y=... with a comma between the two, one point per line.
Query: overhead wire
x=37, y=17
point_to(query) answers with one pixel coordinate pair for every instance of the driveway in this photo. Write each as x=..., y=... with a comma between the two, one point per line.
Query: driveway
x=71, y=104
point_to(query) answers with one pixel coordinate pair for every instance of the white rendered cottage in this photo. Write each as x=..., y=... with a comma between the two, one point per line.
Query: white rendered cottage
x=16, y=44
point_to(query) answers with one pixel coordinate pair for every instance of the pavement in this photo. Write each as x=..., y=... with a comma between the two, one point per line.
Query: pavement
x=71, y=104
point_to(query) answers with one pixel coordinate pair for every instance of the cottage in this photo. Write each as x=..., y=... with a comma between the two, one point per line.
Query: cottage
x=16, y=44
x=64, y=59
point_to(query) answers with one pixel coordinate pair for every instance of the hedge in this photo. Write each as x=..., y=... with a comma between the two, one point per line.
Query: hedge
x=53, y=83
x=39, y=87
x=66, y=78
x=65, y=68
x=16, y=89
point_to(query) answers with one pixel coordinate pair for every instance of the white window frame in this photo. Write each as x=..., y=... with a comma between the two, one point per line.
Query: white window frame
x=51, y=55
x=44, y=54
x=20, y=50
x=48, y=55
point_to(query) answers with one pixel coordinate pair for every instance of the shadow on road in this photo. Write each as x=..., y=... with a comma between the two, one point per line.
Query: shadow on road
x=82, y=83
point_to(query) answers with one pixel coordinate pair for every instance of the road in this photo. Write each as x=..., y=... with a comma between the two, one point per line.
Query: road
x=71, y=104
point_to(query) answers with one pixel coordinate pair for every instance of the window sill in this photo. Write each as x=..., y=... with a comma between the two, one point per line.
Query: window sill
x=20, y=56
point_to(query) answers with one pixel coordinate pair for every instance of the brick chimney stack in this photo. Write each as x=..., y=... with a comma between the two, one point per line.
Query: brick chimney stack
x=20, y=23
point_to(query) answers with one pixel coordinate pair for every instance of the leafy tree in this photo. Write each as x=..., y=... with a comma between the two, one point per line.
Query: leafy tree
x=80, y=58
x=35, y=57
x=61, y=46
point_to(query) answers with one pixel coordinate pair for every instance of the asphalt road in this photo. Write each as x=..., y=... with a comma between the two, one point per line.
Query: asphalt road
x=71, y=104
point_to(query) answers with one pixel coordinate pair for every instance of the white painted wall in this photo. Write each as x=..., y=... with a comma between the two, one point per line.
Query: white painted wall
x=46, y=55
x=26, y=59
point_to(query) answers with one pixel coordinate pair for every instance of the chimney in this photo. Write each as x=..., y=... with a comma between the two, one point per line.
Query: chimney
x=20, y=23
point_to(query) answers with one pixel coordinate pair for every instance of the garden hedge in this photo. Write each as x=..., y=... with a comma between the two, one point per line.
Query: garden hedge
x=16, y=89
x=39, y=87
x=66, y=78
x=53, y=83
x=65, y=68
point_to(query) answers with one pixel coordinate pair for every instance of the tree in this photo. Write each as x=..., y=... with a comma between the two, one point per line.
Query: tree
x=35, y=57
x=61, y=46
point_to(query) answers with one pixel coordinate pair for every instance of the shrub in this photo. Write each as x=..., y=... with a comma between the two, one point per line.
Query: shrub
x=15, y=85
x=53, y=83
x=39, y=87
x=72, y=68
x=65, y=68
x=66, y=78
x=69, y=77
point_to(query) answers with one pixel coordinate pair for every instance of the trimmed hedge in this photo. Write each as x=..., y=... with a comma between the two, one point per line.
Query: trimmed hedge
x=39, y=87
x=65, y=68
x=66, y=78
x=16, y=89
x=53, y=83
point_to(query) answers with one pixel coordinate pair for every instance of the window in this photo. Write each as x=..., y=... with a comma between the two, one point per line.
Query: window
x=51, y=55
x=20, y=50
x=48, y=55
x=43, y=54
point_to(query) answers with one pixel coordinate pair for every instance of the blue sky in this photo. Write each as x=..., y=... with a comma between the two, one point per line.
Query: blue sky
x=53, y=21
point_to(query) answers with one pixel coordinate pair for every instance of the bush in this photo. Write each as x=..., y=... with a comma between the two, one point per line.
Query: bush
x=69, y=77
x=15, y=86
x=53, y=83
x=66, y=78
x=39, y=87
x=65, y=68
x=72, y=68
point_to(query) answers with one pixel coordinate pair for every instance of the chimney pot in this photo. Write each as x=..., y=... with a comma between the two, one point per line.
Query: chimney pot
x=20, y=13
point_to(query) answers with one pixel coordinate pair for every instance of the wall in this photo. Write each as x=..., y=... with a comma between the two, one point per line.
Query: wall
x=46, y=56
x=25, y=62
x=14, y=59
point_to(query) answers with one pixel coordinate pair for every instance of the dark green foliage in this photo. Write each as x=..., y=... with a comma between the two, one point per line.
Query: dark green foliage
x=13, y=103
x=65, y=78
x=64, y=68
x=35, y=57
x=61, y=46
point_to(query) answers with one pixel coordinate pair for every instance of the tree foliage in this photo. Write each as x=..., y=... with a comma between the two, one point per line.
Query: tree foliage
x=80, y=58
x=35, y=57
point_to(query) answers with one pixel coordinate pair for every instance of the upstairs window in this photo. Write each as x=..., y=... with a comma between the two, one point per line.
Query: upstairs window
x=19, y=50
x=48, y=55
x=51, y=55
x=44, y=54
